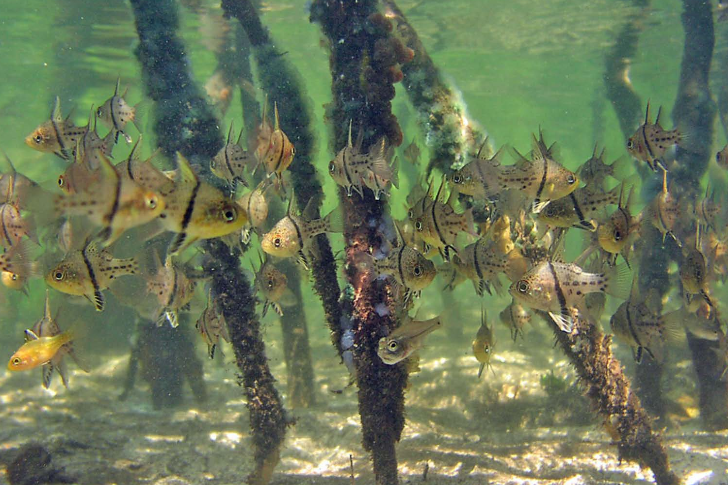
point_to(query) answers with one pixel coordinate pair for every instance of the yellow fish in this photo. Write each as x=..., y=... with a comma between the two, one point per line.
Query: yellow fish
x=483, y=344
x=88, y=271
x=617, y=231
x=650, y=142
x=37, y=351
x=406, y=339
x=56, y=135
x=115, y=113
x=196, y=210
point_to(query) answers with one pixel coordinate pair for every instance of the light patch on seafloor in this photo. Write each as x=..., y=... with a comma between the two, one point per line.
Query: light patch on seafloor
x=434, y=364
x=696, y=478
x=172, y=438
x=227, y=438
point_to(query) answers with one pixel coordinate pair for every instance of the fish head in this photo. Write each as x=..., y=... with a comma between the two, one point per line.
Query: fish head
x=219, y=167
x=13, y=281
x=532, y=290
x=336, y=169
x=562, y=181
x=68, y=278
x=43, y=138
x=612, y=235
x=271, y=282
x=417, y=270
x=221, y=216
x=391, y=350
x=103, y=112
x=22, y=360
x=464, y=182
x=281, y=241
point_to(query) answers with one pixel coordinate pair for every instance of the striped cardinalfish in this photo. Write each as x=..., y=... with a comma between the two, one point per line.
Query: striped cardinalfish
x=273, y=148
x=88, y=271
x=116, y=113
x=579, y=207
x=173, y=290
x=57, y=135
x=406, y=339
x=650, y=142
x=231, y=161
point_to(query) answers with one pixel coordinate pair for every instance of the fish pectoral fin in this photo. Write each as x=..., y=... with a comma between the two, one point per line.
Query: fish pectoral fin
x=302, y=260
x=98, y=300
x=277, y=308
x=480, y=369
x=537, y=205
x=564, y=320
x=47, y=374
x=30, y=335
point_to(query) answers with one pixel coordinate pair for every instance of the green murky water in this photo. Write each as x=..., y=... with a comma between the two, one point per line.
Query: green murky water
x=519, y=66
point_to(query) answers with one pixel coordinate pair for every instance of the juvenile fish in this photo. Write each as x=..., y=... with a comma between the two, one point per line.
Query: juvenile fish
x=212, y=326
x=13, y=227
x=406, y=265
x=56, y=135
x=16, y=187
x=116, y=113
x=594, y=171
x=557, y=287
x=481, y=262
x=475, y=177
x=17, y=261
x=292, y=235
x=614, y=234
x=172, y=289
x=515, y=317
x=412, y=152
x=483, y=344
x=650, y=142
x=663, y=212
x=196, y=210
x=89, y=271
x=642, y=329
x=231, y=161
x=256, y=206
x=406, y=339
x=273, y=287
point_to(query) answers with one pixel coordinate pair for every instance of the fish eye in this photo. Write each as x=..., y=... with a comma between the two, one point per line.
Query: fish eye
x=213, y=164
x=16, y=361
x=392, y=345
x=332, y=167
x=14, y=277
x=410, y=214
x=100, y=112
x=277, y=242
x=152, y=202
x=630, y=144
x=717, y=157
x=38, y=139
x=58, y=275
x=270, y=283
x=571, y=180
x=229, y=214
x=61, y=181
x=418, y=225
x=617, y=235
x=486, y=349
x=457, y=178
x=522, y=286
x=417, y=270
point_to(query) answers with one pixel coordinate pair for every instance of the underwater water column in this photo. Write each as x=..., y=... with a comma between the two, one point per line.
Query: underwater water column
x=441, y=115
x=628, y=107
x=185, y=123
x=628, y=424
x=284, y=85
x=695, y=110
x=363, y=69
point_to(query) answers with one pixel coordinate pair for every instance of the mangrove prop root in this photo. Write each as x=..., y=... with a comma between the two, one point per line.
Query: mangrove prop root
x=364, y=67
x=186, y=123
x=268, y=419
x=695, y=112
x=182, y=119
x=284, y=85
x=590, y=352
x=440, y=115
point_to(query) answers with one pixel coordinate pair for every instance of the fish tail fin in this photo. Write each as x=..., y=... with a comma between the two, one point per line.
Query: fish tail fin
x=379, y=164
x=334, y=220
x=19, y=261
x=394, y=169
x=141, y=109
x=618, y=281
x=622, y=168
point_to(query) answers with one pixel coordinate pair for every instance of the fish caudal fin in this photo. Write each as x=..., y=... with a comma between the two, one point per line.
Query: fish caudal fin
x=618, y=281
x=334, y=220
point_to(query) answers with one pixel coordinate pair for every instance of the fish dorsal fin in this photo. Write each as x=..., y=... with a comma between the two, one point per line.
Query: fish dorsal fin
x=398, y=233
x=439, y=190
x=519, y=156
x=56, y=111
x=240, y=136
x=359, y=139
x=310, y=211
x=230, y=132
x=118, y=84
x=634, y=291
x=697, y=238
x=657, y=120
x=664, y=181
x=133, y=155
x=108, y=171
x=411, y=328
x=483, y=145
x=30, y=335
x=289, y=209
x=47, y=309
x=594, y=152
x=349, y=144
x=187, y=175
x=277, y=125
x=647, y=113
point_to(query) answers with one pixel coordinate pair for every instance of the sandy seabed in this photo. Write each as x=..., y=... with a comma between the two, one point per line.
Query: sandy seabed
x=501, y=429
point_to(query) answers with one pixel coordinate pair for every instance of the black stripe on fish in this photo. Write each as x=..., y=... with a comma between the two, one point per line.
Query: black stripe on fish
x=6, y=235
x=64, y=154
x=227, y=163
x=346, y=171
x=647, y=145
x=115, y=206
x=446, y=255
x=98, y=299
x=478, y=270
x=180, y=237
x=280, y=158
x=399, y=266
x=542, y=184
x=559, y=292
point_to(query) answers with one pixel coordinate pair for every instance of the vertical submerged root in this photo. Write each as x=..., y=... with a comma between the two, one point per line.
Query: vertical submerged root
x=185, y=123
x=363, y=70
x=284, y=85
x=609, y=390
